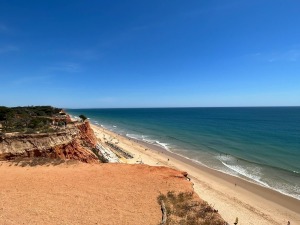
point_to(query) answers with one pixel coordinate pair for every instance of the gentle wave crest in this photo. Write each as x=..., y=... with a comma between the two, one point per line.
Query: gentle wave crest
x=148, y=140
x=242, y=171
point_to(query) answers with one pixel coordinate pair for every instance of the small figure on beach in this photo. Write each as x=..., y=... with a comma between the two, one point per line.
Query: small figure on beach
x=288, y=223
x=168, y=159
x=236, y=221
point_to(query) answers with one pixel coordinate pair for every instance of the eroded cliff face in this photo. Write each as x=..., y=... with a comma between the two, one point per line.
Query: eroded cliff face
x=87, y=134
x=74, y=142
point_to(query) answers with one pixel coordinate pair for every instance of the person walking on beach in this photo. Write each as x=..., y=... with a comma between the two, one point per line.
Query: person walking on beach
x=236, y=221
x=288, y=223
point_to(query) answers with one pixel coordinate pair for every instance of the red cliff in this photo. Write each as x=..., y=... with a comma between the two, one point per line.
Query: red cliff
x=74, y=142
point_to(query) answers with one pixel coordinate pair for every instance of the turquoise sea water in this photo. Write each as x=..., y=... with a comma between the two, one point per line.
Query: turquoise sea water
x=260, y=144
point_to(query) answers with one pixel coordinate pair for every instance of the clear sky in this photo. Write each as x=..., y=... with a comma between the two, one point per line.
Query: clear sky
x=156, y=53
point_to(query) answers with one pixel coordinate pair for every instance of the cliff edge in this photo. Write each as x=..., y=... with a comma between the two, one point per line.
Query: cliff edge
x=88, y=194
x=75, y=141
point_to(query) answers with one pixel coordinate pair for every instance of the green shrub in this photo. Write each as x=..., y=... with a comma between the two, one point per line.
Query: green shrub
x=83, y=117
x=20, y=119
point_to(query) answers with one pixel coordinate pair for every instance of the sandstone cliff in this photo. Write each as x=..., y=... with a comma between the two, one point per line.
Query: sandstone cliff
x=73, y=142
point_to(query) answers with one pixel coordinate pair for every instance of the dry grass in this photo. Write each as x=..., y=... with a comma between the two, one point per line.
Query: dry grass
x=184, y=209
x=38, y=161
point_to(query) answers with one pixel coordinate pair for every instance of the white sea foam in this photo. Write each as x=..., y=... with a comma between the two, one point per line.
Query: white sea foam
x=194, y=160
x=148, y=140
x=297, y=196
x=134, y=136
x=164, y=145
x=226, y=158
x=139, y=137
x=253, y=176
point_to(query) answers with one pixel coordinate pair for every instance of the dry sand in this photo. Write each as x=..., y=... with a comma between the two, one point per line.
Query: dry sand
x=232, y=196
x=85, y=194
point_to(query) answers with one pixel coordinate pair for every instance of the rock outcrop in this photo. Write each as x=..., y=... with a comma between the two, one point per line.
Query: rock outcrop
x=73, y=142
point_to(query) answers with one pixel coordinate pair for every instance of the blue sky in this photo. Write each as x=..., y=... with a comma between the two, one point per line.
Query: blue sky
x=84, y=54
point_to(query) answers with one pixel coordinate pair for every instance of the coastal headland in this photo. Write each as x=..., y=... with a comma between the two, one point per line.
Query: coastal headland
x=59, y=170
x=231, y=196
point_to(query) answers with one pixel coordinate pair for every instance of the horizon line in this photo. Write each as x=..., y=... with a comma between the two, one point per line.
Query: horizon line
x=172, y=107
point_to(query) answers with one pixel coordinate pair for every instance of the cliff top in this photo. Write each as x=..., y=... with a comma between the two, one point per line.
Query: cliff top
x=81, y=193
x=32, y=119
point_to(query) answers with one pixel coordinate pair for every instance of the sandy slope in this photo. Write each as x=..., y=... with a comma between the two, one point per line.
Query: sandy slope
x=251, y=203
x=85, y=194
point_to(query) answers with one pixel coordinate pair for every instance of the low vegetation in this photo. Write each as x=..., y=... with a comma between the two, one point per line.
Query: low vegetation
x=83, y=117
x=184, y=209
x=31, y=119
x=39, y=161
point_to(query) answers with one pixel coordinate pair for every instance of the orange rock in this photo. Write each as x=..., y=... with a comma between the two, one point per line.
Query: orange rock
x=75, y=142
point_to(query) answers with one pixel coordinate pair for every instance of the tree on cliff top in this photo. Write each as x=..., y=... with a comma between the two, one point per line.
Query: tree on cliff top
x=83, y=117
x=3, y=112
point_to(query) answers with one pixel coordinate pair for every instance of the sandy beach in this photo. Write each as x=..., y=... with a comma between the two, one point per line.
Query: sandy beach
x=231, y=196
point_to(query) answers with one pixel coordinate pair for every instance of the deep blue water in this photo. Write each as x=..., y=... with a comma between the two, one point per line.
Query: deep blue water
x=260, y=144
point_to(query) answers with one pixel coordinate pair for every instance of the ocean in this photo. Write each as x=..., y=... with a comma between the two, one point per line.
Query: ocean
x=259, y=144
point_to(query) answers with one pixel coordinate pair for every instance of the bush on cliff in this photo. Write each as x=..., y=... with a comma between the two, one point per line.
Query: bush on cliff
x=83, y=117
x=27, y=119
x=3, y=112
x=184, y=208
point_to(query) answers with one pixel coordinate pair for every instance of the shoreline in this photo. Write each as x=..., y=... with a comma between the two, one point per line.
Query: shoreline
x=262, y=174
x=254, y=186
x=195, y=163
x=203, y=166
x=232, y=196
